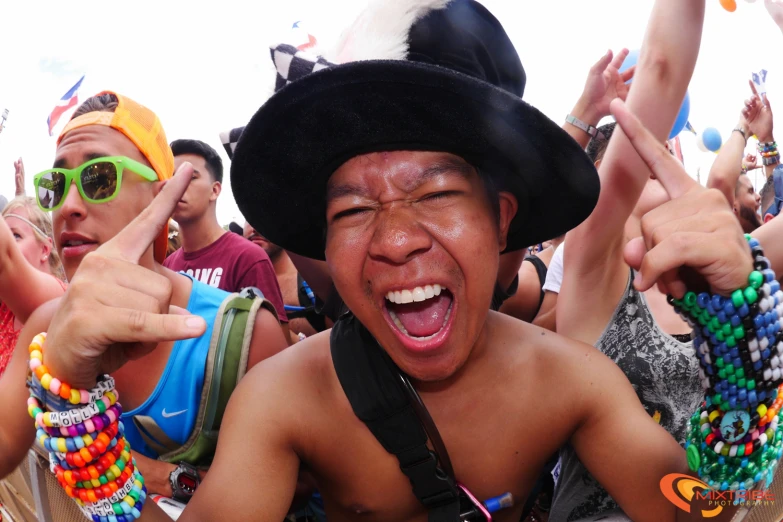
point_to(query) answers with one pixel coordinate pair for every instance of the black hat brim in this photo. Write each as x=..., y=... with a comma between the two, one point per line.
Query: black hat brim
x=303, y=133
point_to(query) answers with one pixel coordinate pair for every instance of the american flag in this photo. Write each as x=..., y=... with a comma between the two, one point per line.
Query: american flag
x=69, y=100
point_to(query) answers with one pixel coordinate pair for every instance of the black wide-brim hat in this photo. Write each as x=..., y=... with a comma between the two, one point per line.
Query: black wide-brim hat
x=443, y=98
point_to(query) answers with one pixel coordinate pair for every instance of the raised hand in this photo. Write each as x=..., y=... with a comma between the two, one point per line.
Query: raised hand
x=115, y=310
x=19, y=177
x=605, y=83
x=750, y=162
x=695, y=231
x=758, y=115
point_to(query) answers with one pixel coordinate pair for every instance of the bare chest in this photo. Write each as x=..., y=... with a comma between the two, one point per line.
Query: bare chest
x=493, y=450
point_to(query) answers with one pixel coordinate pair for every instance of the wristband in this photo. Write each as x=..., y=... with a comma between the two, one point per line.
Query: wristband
x=579, y=124
x=741, y=131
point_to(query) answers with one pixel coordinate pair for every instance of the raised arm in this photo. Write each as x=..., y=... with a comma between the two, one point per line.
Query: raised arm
x=594, y=264
x=760, y=121
x=620, y=444
x=603, y=84
x=727, y=167
x=16, y=431
x=23, y=288
x=694, y=230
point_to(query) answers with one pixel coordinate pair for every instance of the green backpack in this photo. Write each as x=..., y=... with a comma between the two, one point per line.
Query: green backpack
x=226, y=365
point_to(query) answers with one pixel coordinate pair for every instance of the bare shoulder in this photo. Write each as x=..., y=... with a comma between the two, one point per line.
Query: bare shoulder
x=564, y=366
x=296, y=389
x=43, y=315
x=295, y=375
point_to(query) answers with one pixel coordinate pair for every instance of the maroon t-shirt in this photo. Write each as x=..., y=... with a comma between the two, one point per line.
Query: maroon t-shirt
x=231, y=263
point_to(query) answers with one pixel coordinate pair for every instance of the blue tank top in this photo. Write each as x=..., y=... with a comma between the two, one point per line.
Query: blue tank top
x=174, y=402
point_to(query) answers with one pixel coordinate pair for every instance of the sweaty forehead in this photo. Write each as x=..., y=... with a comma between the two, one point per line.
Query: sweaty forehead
x=94, y=141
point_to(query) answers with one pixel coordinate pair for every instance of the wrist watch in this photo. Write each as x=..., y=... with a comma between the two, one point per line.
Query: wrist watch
x=184, y=480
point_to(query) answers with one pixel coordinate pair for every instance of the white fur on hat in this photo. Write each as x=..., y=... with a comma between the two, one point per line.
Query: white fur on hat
x=381, y=31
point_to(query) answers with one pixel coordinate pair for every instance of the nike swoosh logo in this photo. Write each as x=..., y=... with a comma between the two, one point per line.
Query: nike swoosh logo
x=172, y=414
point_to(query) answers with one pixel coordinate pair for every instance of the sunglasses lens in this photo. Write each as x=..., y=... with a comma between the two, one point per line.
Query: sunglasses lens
x=51, y=187
x=99, y=181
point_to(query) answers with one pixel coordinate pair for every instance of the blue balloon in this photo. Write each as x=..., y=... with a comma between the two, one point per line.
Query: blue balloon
x=685, y=108
x=711, y=139
x=630, y=61
x=682, y=117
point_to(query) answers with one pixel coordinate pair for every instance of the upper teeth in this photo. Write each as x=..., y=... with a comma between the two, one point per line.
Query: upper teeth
x=416, y=294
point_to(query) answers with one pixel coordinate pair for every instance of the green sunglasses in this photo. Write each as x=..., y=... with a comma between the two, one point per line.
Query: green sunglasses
x=98, y=181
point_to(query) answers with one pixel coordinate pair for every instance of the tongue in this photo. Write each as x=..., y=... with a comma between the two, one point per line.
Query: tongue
x=424, y=318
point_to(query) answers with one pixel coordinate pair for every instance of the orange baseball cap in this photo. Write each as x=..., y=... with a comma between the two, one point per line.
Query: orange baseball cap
x=144, y=129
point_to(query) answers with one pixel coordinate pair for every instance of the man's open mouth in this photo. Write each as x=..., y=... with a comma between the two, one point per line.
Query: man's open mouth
x=420, y=312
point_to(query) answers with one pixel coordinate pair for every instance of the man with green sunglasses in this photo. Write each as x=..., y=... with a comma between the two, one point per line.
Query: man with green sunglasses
x=98, y=180
x=118, y=166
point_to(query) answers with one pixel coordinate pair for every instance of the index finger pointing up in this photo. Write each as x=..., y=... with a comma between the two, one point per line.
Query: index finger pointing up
x=133, y=240
x=667, y=169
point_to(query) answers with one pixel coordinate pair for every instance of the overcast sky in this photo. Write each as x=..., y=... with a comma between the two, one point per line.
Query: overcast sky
x=205, y=67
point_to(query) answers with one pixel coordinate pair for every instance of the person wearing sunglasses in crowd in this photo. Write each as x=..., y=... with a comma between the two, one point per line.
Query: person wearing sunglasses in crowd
x=30, y=270
x=112, y=158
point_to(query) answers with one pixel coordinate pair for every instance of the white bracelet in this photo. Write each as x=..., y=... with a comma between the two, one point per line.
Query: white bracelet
x=576, y=122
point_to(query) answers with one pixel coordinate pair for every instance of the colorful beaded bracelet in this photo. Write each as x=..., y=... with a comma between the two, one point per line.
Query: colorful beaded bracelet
x=107, y=491
x=80, y=458
x=732, y=473
x=94, y=471
x=93, y=425
x=730, y=431
x=57, y=403
x=57, y=387
x=123, y=507
x=142, y=496
x=97, y=471
x=58, y=419
x=89, y=426
x=740, y=367
x=733, y=440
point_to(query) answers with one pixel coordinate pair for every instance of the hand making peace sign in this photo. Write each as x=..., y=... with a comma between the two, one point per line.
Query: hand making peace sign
x=115, y=310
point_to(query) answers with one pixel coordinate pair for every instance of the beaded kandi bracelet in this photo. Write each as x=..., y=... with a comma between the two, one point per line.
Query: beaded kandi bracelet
x=82, y=431
x=734, y=440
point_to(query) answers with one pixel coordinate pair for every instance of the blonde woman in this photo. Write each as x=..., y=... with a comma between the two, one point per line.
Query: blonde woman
x=30, y=269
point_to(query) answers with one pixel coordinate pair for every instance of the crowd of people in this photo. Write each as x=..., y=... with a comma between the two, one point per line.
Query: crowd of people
x=398, y=331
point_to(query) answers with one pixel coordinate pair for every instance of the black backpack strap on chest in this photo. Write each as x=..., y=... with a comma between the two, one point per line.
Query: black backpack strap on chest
x=376, y=391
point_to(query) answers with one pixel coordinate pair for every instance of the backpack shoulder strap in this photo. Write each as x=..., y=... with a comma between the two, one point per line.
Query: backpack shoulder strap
x=372, y=384
x=226, y=364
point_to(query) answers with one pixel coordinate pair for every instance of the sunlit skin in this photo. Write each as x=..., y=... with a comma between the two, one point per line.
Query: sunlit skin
x=98, y=222
x=34, y=251
x=398, y=220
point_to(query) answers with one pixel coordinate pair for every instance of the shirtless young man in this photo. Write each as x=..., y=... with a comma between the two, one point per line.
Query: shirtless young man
x=396, y=220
